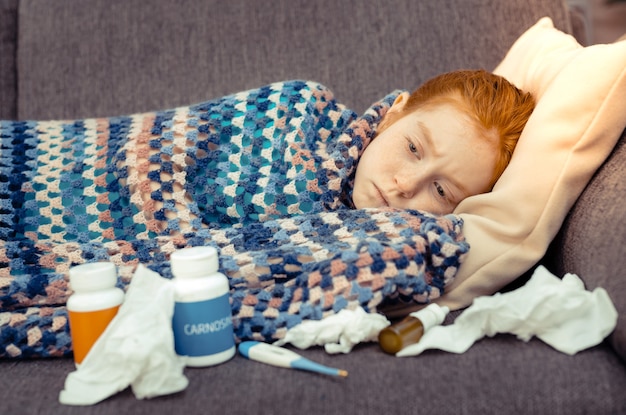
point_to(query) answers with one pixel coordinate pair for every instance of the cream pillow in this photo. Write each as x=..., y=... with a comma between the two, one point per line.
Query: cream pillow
x=580, y=114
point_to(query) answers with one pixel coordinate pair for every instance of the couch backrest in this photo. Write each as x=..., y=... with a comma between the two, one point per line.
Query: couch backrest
x=8, y=65
x=84, y=58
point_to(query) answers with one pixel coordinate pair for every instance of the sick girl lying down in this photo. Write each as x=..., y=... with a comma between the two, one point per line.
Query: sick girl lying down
x=450, y=139
x=312, y=208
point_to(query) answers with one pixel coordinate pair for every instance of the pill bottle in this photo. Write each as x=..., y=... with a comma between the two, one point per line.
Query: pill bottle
x=202, y=321
x=93, y=304
x=410, y=330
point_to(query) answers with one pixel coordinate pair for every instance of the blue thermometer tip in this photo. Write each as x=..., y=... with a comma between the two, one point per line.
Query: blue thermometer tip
x=306, y=364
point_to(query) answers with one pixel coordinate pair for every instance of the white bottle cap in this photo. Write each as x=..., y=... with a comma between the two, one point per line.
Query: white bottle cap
x=432, y=315
x=194, y=262
x=93, y=276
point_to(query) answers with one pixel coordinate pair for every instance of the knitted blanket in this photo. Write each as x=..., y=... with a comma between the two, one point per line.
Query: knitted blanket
x=264, y=176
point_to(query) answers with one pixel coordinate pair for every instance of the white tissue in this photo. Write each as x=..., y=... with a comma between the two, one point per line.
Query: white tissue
x=559, y=312
x=136, y=349
x=338, y=333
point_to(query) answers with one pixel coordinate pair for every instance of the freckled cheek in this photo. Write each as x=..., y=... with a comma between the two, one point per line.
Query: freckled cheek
x=374, y=167
x=427, y=204
x=432, y=207
x=406, y=172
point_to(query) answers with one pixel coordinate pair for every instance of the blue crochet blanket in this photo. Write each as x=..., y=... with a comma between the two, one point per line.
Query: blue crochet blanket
x=264, y=176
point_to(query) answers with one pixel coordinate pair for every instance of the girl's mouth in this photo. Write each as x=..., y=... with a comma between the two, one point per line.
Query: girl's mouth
x=381, y=196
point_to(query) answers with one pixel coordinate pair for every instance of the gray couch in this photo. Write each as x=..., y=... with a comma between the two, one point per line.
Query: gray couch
x=88, y=58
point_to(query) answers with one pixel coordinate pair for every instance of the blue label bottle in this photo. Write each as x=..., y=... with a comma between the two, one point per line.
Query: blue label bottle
x=202, y=321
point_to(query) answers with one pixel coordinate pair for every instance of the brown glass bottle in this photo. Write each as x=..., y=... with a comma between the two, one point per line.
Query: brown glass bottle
x=410, y=330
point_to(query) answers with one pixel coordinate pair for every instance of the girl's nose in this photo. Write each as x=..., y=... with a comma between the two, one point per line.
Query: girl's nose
x=407, y=184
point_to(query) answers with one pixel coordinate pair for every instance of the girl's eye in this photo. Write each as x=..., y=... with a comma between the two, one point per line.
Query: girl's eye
x=440, y=191
x=413, y=149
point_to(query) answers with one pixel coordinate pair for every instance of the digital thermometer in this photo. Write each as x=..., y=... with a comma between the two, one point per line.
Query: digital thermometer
x=278, y=356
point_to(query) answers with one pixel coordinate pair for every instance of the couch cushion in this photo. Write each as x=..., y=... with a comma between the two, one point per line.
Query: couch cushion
x=499, y=375
x=92, y=58
x=8, y=69
x=579, y=116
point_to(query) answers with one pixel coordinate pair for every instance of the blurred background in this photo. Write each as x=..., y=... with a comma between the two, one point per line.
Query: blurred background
x=605, y=19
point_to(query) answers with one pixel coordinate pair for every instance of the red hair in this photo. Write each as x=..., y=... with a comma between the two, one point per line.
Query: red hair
x=495, y=106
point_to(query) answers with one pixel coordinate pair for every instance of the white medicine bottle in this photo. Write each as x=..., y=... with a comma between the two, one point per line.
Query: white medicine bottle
x=202, y=321
x=93, y=304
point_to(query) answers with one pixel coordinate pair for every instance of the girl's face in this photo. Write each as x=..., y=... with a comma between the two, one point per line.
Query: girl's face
x=430, y=160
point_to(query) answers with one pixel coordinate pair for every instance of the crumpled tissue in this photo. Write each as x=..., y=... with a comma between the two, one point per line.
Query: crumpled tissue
x=338, y=333
x=136, y=349
x=560, y=312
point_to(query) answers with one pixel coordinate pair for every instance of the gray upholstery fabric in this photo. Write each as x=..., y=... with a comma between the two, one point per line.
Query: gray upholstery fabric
x=591, y=241
x=8, y=69
x=99, y=58
x=501, y=375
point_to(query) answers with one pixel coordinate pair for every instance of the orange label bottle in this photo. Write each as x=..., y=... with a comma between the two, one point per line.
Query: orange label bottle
x=93, y=305
x=86, y=327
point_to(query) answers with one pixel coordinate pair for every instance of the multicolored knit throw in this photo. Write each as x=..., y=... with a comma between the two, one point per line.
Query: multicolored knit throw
x=263, y=175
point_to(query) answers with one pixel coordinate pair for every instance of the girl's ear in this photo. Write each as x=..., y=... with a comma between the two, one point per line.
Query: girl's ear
x=394, y=112
x=400, y=102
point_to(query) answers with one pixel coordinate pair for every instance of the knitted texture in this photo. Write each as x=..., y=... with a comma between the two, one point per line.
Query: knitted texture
x=264, y=176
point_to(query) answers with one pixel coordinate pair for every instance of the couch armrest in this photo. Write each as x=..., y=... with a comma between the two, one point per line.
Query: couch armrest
x=591, y=242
